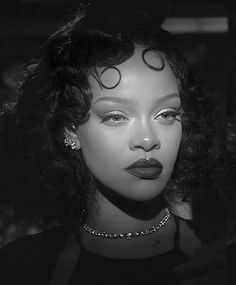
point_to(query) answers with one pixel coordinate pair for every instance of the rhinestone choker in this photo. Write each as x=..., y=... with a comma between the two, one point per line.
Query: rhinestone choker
x=129, y=235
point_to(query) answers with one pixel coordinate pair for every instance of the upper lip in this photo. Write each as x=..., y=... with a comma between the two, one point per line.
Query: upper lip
x=144, y=163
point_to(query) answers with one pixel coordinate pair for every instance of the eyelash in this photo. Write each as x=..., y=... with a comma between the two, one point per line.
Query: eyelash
x=106, y=118
x=111, y=117
x=171, y=113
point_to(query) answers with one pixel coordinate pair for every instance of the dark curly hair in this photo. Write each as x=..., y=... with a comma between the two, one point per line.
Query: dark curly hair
x=48, y=181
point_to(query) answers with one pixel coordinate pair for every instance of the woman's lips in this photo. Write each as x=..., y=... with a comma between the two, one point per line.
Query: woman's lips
x=145, y=169
x=145, y=173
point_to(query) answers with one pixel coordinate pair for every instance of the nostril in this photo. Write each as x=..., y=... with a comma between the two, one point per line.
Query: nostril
x=148, y=147
x=150, y=144
x=144, y=138
x=152, y=147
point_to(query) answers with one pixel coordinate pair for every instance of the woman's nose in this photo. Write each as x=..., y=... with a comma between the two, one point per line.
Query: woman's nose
x=145, y=137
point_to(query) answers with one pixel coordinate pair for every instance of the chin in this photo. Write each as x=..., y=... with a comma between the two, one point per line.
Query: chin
x=139, y=190
x=143, y=194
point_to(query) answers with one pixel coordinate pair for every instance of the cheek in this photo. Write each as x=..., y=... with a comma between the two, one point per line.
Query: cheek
x=98, y=144
x=170, y=144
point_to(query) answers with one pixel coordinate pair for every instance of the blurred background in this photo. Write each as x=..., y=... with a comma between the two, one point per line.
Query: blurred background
x=204, y=30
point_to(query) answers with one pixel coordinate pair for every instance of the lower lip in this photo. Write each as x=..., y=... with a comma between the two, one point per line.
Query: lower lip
x=145, y=173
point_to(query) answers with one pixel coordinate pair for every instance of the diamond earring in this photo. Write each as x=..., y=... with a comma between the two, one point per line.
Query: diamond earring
x=66, y=142
x=72, y=145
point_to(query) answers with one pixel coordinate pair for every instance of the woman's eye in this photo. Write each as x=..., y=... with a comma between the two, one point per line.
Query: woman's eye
x=168, y=116
x=113, y=118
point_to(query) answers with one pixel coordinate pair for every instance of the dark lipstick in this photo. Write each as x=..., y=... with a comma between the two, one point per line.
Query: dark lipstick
x=145, y=169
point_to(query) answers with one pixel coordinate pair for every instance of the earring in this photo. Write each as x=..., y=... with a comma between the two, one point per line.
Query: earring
x=66, y=142
x=72, y=145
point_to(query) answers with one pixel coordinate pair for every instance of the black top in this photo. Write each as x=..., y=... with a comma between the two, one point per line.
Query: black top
x=99, y=270
x=95, y=269
x=31, y=261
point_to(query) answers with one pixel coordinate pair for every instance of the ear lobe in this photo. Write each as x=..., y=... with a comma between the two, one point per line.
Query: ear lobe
x=71, y=138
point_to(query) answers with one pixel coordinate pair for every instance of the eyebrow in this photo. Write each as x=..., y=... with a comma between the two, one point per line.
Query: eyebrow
x=127, y=101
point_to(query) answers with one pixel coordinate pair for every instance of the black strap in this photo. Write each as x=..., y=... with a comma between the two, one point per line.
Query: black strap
x=177, y=233
x=66, y=263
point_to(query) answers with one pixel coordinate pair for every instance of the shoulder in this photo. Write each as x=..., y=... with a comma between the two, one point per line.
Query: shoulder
x=31, y=256
x=182, y=210
x=188, y=240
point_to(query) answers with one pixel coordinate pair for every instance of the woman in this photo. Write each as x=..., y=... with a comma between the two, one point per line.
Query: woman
x=107, y=137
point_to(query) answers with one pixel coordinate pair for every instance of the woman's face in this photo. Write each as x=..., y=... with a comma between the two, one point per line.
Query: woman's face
x=134, y=121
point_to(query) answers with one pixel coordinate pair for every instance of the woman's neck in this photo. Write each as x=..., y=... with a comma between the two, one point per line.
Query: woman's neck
x=117, y=214
x=123, y=216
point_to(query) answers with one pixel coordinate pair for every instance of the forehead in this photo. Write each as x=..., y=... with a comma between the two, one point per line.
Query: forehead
x=134, y=76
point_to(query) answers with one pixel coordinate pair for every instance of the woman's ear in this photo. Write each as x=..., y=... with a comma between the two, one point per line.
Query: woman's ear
x=71, y=138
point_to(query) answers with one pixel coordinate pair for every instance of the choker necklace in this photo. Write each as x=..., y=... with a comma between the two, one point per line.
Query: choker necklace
x=129, y=235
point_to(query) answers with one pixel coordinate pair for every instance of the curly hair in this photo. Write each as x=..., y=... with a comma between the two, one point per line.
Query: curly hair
x=52, y=181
